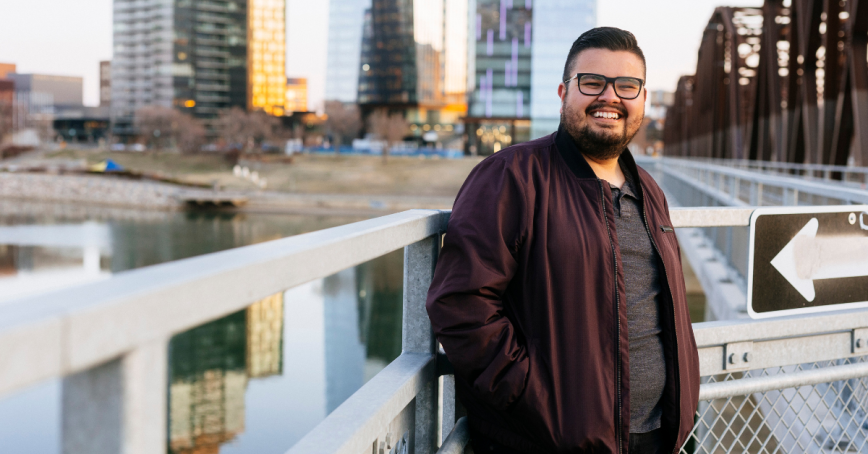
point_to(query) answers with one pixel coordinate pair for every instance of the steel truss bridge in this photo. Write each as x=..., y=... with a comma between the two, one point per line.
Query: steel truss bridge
x=787, y=82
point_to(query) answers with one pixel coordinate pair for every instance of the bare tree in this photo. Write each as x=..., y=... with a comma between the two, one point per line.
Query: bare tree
x=189, y=134
x=165, y=127
x=246, y=130
x=154, y=125
x=390, y=127
x=342, y=121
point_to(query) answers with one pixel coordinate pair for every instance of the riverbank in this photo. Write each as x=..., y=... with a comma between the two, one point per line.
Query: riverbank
x=308, y=184
x=304, y=174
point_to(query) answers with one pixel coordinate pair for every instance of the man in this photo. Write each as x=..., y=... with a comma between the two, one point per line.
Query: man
x=559, y=296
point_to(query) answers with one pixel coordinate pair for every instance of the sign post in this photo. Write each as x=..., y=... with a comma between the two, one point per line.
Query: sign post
x=807, y=259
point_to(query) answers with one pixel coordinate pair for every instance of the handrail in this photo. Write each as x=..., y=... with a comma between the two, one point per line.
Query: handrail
x=781, y=341
x=672, y=166
x=747, y=386
x=782, y=165
x=130, y=316
x=789, y=182
x=66, y=331
x=349, y=429
x=457, y=439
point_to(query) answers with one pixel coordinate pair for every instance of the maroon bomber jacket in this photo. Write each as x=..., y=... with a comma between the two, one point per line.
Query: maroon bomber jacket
x=528, y=302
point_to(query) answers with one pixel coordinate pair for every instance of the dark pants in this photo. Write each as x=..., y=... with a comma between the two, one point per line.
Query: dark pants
x=647, y=443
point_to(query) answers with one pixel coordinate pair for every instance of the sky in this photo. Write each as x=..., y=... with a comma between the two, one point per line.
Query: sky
x=66, y=37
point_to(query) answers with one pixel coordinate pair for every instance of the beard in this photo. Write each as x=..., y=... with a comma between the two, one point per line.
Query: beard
x=594, y=143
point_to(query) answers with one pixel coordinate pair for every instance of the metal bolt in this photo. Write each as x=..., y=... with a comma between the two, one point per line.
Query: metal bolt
x=747, y=357
x=859, y=343
x=732, y=358
x=852, y=218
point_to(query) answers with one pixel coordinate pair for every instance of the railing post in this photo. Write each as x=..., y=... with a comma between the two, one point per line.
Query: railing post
x=756, y=193
x=120, y=406
x=417, y=335
x=450, y=413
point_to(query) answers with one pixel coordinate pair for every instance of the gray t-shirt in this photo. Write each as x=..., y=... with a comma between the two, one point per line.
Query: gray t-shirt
x=642, y=281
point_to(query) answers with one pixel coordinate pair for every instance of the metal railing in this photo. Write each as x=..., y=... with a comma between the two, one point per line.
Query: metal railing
x=109, y=343
x=854, y=176
x=803, y=401
x=803, y=386
x=719, y=255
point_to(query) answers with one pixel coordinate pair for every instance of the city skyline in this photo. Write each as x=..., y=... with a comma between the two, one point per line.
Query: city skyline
x=81, y=38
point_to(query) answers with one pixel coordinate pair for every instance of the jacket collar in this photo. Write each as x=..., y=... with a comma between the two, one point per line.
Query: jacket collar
x=577, y=163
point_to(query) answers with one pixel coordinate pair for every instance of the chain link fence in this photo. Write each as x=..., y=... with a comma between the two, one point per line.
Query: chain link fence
x=823, y=418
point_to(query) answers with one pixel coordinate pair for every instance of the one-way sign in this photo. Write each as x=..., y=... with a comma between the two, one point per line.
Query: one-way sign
x=807, y=259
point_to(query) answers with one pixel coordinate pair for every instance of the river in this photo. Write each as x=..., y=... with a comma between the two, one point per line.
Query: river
x=253, y=382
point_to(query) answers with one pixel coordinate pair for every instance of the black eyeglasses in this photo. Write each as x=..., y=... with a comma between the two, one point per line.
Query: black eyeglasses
x=595, y=84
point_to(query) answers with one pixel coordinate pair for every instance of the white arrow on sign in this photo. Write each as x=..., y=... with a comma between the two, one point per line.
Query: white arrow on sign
x=807, y=258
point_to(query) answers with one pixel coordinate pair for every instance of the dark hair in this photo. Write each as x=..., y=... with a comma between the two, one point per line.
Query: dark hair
x=609, y=38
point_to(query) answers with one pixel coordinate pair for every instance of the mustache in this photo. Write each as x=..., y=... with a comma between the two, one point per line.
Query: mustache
x=599, y=105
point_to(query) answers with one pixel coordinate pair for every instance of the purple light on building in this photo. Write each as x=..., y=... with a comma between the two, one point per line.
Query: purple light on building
x=479, y=27
x=528, y=4
x=489, y=47
x=527, y=34
x=503, y=19
x=519, y=103
x=514, y=64
x=489, y=74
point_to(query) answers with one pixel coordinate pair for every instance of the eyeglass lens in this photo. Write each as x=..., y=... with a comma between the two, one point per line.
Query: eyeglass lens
x=625, y=87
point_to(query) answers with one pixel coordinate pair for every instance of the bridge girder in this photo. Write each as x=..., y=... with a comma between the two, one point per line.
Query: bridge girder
x=785, y=82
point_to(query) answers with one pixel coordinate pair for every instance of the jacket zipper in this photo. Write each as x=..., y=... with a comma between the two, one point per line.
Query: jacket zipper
x=617, y=316
x=674, y=316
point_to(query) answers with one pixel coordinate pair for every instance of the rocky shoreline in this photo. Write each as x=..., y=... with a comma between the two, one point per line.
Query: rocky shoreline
x=110, y=191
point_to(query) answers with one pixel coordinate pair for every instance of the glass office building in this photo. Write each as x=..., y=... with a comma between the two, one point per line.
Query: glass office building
x=517, y=54
x=557, y=23
x=194, y=55
x=346, y=18
x=414, y=60
x=266, y=55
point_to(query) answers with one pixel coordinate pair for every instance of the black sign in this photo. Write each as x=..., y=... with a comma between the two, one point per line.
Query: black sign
x=808, y=259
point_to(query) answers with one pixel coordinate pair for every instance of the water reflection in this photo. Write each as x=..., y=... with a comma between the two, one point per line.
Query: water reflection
x=37, y=258
x=210, y=368
x=253, y=382
x=332, y=335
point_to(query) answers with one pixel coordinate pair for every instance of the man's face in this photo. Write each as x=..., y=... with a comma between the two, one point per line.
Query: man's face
x=586, y=118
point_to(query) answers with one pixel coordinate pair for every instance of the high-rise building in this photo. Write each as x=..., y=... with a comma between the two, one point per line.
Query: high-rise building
x=266, y=56
x=7, y=100
x=557, y=23
x=414, y=60
x=296, y=94
x=41, y=98
x=44, y=93
x=346, y=18
x=195, y=55
x=5, y=69
x=517, y=54
x=7, y=103
x=105, y=83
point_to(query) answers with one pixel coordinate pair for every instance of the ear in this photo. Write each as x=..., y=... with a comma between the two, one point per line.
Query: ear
x=646, y=95
x=562, y=93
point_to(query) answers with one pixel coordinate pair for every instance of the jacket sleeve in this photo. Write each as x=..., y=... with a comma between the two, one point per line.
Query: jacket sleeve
x=478, y=260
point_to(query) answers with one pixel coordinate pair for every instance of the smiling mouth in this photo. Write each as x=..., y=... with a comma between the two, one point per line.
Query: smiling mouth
x=607, y=115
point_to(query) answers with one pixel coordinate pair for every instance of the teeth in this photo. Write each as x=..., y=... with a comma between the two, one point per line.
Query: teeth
x=611, y=115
